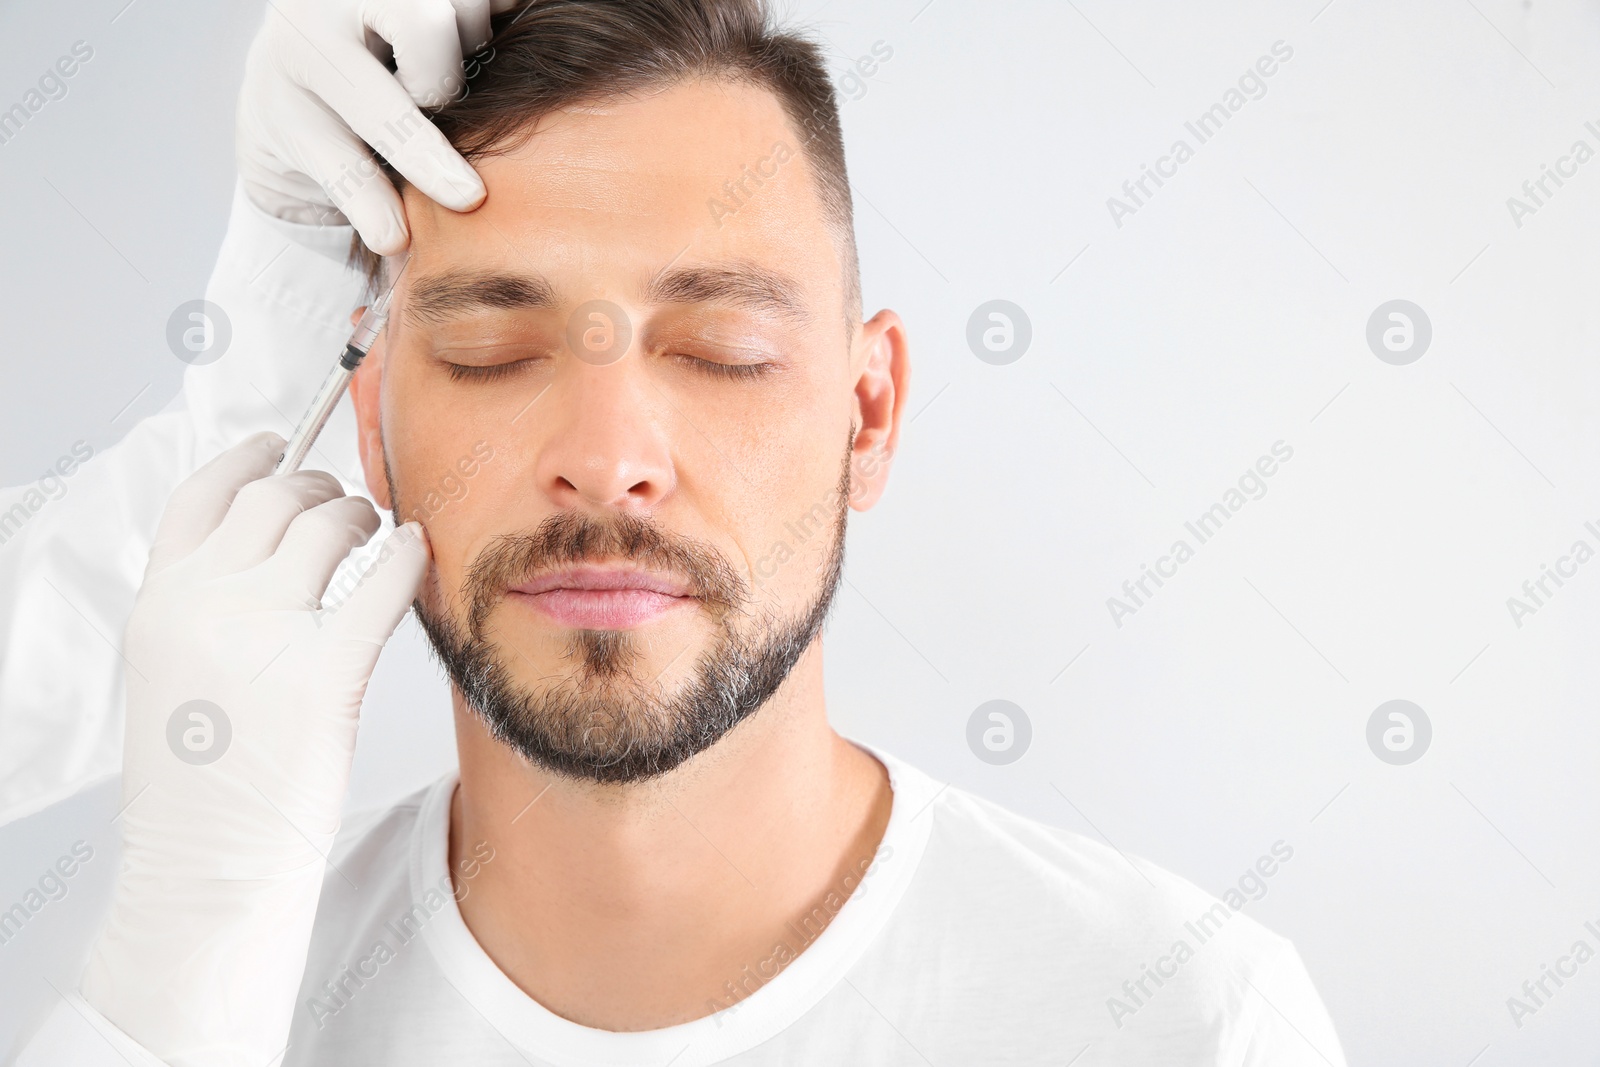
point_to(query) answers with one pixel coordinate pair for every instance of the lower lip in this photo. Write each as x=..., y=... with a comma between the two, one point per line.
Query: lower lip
x=603, y=609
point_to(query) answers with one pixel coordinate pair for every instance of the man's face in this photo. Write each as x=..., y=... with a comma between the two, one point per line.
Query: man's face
x=623, y=399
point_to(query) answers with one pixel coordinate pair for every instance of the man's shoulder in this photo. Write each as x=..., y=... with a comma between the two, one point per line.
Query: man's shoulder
x=1091, y=937
x=1056, y=858
x=1010, y=886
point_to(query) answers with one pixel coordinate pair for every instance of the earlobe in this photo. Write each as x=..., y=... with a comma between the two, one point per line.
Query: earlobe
x=880, y=394
x=366, y=390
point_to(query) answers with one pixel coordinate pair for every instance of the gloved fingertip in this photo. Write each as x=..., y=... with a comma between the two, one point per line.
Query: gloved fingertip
x=412, y=535
x=462, y=203
x=269, y=441
x=466, y=188
x=387, y=236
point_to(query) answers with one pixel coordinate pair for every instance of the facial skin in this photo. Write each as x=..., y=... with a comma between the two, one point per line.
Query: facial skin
x=694, y=454
x=628, y=890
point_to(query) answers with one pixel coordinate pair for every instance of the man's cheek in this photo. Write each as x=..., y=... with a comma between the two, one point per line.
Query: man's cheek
x=432, y=504
x=795, y=544
x=816, y=560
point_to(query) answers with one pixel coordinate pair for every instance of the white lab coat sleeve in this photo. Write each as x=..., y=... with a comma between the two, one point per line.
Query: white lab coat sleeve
x=75, y=1033
x=73, y=545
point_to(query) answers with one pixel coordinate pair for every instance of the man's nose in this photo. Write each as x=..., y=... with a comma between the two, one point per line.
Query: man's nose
x=607, y=447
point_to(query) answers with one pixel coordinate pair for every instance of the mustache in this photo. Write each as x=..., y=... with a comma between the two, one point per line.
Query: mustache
x=568, y=538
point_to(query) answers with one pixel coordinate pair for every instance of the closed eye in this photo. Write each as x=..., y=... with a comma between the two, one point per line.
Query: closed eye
x=727, y=370
x=467, y=372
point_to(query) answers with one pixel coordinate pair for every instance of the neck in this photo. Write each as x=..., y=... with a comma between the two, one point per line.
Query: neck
x=637, y=906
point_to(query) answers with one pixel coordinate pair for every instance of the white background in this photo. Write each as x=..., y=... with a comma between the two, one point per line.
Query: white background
x=1228, y=313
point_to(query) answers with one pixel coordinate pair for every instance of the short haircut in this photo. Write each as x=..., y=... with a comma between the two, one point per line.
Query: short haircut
x=549, y=54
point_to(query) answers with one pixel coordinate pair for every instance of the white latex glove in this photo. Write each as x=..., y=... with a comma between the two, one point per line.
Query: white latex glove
x=317, y=92
x=230, y=807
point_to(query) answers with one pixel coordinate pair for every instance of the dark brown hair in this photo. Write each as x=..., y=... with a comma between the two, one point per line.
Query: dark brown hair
x=549, y=54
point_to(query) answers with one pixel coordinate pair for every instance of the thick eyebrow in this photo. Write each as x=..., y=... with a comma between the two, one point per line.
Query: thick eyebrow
x=743, y=285
x=450, y=295
x=441, y=297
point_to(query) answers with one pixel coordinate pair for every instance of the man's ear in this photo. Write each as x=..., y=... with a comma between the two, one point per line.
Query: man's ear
x=366, y=389
x=881, y=392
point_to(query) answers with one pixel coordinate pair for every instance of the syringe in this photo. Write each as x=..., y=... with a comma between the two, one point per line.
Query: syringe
x=338, y=380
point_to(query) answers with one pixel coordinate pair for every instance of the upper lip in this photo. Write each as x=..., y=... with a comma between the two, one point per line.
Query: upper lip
x=604, y=578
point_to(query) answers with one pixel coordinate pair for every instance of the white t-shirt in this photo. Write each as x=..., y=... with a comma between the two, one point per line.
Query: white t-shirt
x=976, y=937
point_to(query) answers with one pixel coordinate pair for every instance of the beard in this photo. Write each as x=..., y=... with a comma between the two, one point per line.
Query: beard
x=603, y=721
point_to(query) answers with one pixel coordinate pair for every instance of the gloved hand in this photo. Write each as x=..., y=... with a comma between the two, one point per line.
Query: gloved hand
x=242, y=703
x=316, y=92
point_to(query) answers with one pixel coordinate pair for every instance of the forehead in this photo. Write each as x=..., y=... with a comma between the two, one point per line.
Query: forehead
x=608, y=192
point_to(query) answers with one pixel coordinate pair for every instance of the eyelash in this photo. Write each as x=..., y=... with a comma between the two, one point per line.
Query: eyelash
x=742, y=371
x=462, y=372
